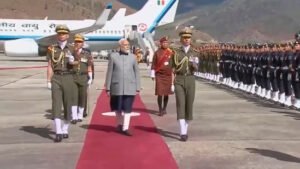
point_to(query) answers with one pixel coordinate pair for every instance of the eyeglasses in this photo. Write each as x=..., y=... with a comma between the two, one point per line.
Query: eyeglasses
x=125, y=44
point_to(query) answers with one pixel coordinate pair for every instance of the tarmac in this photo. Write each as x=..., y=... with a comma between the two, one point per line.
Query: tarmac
x=230, y=130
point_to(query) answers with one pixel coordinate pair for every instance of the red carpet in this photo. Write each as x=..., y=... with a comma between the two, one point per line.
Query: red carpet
x=104, y=148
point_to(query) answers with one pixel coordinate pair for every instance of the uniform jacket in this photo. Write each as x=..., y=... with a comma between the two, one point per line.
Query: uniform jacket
x=180, y=60
x=122, y=76
x=59, y=58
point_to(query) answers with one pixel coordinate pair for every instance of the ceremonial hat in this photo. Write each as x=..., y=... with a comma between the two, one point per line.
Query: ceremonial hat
x=79, y=38
x=163, y=39
x=62, y=29
x=186, y=32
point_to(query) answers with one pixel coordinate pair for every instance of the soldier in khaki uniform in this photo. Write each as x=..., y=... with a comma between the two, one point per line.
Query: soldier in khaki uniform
x=60, y=81
x=83, y=78
x=184, y=63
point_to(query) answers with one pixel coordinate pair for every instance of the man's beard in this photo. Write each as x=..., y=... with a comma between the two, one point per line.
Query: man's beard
x=126, y=50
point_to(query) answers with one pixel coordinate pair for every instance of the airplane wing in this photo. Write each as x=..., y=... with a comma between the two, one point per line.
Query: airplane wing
x=174, y=25
x=99, y=23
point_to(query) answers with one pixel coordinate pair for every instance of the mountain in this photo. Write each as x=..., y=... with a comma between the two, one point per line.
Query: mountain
x=183, y=6
x=249, y=20
x=56, y=9
x=223, y=20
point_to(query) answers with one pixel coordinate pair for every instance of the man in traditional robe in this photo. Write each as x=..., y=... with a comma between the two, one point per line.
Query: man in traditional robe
x=161, y=72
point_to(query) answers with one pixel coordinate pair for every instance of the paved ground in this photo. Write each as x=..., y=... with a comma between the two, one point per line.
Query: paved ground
x=231, y=130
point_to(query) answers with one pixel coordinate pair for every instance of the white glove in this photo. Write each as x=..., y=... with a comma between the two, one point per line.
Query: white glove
x=152, y=74
x=49, y=85
x=194, y=59
x=172, y=88
x=90, y=75
x=71, y=58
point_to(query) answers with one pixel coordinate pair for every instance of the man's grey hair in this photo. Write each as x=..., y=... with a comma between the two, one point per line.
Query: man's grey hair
x=122, y=40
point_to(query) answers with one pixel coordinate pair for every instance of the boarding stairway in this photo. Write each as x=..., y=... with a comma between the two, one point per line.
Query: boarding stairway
x=142, y=41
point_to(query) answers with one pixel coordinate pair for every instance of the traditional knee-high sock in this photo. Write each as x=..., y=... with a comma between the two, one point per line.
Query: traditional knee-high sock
x=159, y=102
x=126, y=121
x=119, y=118
x=80, y=112
x=182, y=125
x=166, y=99
x=57, y=124
x=74, y=112
x=65, y=127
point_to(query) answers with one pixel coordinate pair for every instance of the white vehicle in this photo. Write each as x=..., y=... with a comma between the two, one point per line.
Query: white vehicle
x=32, y=37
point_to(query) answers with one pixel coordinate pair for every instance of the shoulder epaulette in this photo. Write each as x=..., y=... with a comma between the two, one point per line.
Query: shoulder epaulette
x=51, y=47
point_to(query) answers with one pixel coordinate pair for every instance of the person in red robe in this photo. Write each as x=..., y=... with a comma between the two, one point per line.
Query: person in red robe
x=161, y=72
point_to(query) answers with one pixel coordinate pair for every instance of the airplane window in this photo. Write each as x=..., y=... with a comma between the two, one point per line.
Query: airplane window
x=116, y=32
x=0, y=29
x=120, y=32
x=111, y=32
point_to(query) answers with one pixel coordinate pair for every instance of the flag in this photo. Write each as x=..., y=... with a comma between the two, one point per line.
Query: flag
x=160, y=2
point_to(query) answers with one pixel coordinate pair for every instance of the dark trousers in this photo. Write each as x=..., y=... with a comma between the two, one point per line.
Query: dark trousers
x=279, y=77
x=226, y=70
x=287, y=82
x=296, y=84
x=266, y=82
x=258, y=77
x=121, y=103
x=273, y=80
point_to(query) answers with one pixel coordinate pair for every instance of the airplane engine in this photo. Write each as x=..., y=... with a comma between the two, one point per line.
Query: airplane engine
x=21, y=48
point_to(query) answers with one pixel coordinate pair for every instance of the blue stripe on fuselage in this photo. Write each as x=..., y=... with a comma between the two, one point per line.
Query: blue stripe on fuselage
x=88, y=38
x=161, y=15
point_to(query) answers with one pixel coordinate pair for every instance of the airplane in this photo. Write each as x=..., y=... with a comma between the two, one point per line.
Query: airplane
x=32, y=37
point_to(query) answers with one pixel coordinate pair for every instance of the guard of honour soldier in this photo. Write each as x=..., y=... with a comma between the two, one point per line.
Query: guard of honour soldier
x=83, y=77
x=173, y=70
x=184, y=63
x=269, y=70
x=62, y=73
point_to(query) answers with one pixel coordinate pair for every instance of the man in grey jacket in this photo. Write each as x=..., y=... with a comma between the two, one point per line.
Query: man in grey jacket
x=122, y=84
